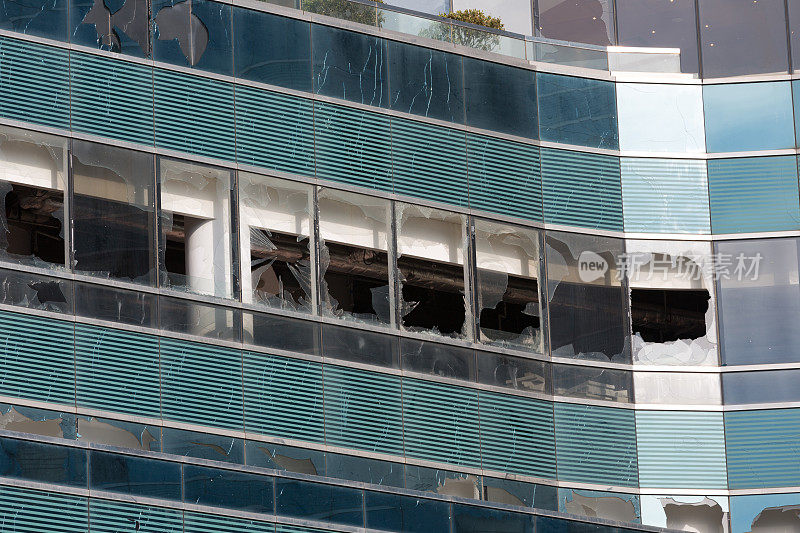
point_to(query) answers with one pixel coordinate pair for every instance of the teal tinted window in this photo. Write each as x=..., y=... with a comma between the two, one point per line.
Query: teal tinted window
x=577, y=111
x=748, y=116
x=116, y=25
x=271, y=49
x=41, y=18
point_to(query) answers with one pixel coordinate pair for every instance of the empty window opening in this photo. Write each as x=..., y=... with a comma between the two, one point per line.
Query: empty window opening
x=433, y=293
x=357, y=280
x=34, y=222
x=661, y=315
x=280, y=266
x=175, y=249
x=515, y=315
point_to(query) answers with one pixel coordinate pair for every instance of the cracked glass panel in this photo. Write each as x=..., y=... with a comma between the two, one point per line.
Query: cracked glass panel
x=33, y=291
x=349, y=65
x=515, y=373
x=592, y=382
x=118, y=433
x=596, y=504
x=765, y=513
x=274, y=233
x=203, y=445
x=284, y=333
x=360, y=346
x=507, y=285
x=286, y=62
x=443, y=482
x=38, y=422
x=113, y=211
x=32, y=184
x=193, y=33
x=41, y=18
x=708, y=514
x=510, y=492
x=758, y=306
x=580, y=21
x=364, y=470
x=197, y=318
x=288, y=458
x=40, y=462
x=431, y=251
x=587, y=300
x=354, y=235
x=121, y=26
x=673, y=308
x=426, y=82
x=197, y=245
x=117, y=305
x=677, y=388
x=438, y=359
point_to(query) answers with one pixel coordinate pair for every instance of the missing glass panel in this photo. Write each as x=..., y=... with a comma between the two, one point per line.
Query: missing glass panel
x=196, y=246
x=508, y=263
x=275, y=232
x=33, y=291
x=113, y=206
x=663, y=315
x=354, y=259
x=431, y=246
x=687, y=513
x=32, y=185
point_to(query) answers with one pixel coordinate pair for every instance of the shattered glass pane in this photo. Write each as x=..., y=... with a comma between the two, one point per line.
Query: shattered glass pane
x=588, y=311
x=290, y=334
x=113, y=206
x=117, y=305
x=593, y=382
x=197, y=245
x=513, y=372
x=443, y=482
x=41, y=18
x=280, y=457
x=193, y=33
x=438, y=359
x=38, y=422
x=596, y=504
x=203, y=445
x=275, y=234
x=360, y=346
x=507, y=285
x=364, y=470
x=36, y=292
x=764, y=513
x=708, y=514
x=673, y=308
x=32, y=185
x=196, y=318
x=431, y=249
x=118, y=433
x=354, y=260
x=121, y=26
x=510, y=492
x=682, y=388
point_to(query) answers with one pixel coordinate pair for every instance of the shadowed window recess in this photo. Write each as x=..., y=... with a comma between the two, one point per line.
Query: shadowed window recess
x=431, y=252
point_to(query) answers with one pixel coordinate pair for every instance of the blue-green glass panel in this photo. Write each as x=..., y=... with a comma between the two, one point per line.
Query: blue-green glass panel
x=39, y=18
x=204, y=523
x=33, y=511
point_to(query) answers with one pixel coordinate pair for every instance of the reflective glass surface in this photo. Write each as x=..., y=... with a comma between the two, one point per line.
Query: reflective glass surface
x=121, y=26
x=272, y=331
x=42, y=18
x=136, y=476
x=768, y=386
x=33, y=291
x=226, y=488
x=513, y=372
x=577, y=111
x=338, y=505
x=44, y=463
x=372, y=471
x=203, y=445
x=593, y=383
x=748, y=116
x=438, y=359
x=117, y=305
x=468, y=519
x=580, y=21
x=360, y=346
x=405, y=514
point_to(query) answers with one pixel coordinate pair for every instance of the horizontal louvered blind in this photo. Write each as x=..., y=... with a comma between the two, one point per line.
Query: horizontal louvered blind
x=112, y=98
x=274, y=131
x=34, y=83
x=207, y=523
x=581, y=189
x=353, y=146
x=201, y=383
x=754, y=194
x=504, y=177
x=114, y=517
x=681, y=450
x=665, y=195
x=117, y=370
x=33, y=511
x=363, y=410
x=37, y=358
x=429, y=162
x=762, y=448
x=194, y=114
x=441, y=422
x=517, y=435
x=283, y=397
x=595, y=444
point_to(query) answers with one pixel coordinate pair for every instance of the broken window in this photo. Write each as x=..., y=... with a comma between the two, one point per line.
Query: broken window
x=443, y=482
x=516, y=373
x=708, y=514
x=275, y=234
x=113, y=206
x=289, y=458
x=507, y=285
x=196, y=247
x=119, y=433
x=431, y=248
x=125, y=30
x=764, y=513
x=511, y=492
x=681, y=388
x=673, y=315
x=438, y=359
x=588, y=312
x=32, y=185
x=38, y=421
x=33, y=291
x=203, y=445
x=592, y=382
x=364, y=470
x=354, y=256
x=596, y=504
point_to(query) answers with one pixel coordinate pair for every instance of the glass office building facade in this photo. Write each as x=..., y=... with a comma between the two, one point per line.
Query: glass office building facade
x=267, y=269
